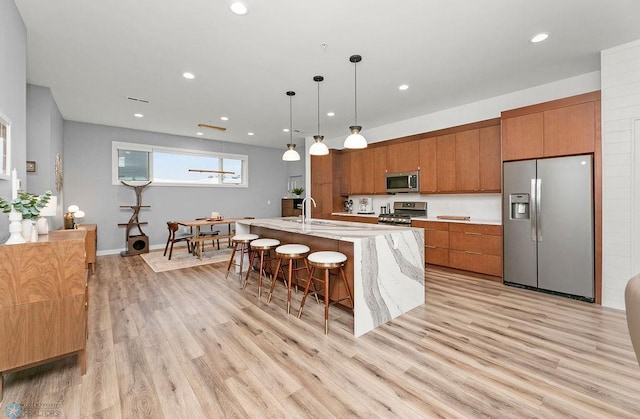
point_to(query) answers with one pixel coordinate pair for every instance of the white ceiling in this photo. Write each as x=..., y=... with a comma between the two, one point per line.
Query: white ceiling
x=93, y=54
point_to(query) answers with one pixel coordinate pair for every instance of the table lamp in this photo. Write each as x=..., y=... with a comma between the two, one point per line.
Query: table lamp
x=49, y=210
x=77, y=216
x=70, y=215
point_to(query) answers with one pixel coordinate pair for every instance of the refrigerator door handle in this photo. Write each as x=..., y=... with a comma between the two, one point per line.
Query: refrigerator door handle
x=539, y=208
x=534, y=211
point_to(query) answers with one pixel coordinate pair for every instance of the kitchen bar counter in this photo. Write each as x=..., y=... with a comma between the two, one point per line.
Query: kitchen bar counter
x=386, y=269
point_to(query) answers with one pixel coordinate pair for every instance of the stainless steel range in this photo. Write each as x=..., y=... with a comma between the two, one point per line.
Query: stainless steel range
x=403, y=212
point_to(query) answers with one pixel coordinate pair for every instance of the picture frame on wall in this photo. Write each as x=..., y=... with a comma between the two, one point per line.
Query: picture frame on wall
x=31, y=166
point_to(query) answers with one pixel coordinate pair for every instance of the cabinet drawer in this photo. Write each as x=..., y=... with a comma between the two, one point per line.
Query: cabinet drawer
x=476, y=243
x=436, y=238
x=474, y=262
x=431, y=225
x=436, y=256
x=488, y=229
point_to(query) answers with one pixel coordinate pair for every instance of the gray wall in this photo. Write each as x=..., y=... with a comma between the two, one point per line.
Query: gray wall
x=87, y=183
x=13, y=50
x=44, y=141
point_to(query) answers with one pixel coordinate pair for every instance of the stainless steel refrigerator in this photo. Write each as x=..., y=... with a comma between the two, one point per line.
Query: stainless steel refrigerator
x=548, y=225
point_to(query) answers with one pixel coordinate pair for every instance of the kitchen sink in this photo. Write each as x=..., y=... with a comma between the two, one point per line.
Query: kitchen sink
x=310, y=222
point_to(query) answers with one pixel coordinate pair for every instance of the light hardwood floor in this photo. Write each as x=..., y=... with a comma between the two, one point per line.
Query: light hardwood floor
x=189, y=343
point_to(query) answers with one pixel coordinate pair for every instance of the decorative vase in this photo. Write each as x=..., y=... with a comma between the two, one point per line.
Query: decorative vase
x=42, y=225
x=15, y=228
x=34, y=232
x=27, y=227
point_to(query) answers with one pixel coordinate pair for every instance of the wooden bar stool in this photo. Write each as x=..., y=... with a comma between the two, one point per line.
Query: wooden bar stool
x=291, y=253
x=242, y=241
x=327, y=261
x=261, y=246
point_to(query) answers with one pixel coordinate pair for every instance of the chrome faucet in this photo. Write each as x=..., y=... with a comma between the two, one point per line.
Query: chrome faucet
x=304, y=206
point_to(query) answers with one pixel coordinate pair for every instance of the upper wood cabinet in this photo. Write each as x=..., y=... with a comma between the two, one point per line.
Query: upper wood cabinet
x=490, y=163
x=467, y=162
x=403, y=157
x=380, y=160
x=522, y=137
x=428, y=162
x=569, y=130
x=322, y=169
x=361, y=172
x=446, y=163
x=341, y=172
x=558, y=128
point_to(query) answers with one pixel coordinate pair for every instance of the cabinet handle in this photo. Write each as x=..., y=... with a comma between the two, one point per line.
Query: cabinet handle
x=429, y=247
x=472, y=253
x=472, y=233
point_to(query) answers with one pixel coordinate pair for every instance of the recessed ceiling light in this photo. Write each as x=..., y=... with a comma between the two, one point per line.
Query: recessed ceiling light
x=199, y=133
x=250, y=133
x=539, y=37
x=188, y=75
x=331, y=114
x=239, y=8
x=403, y=87
x=138, y=115
x=285, y=130
x=224, y=118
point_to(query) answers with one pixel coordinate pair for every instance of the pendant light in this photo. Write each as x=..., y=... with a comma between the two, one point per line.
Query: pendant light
x=291, y=154
x=318, y=148
x=355, y=140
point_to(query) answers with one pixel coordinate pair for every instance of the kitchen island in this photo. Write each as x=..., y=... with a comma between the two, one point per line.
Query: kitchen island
x=384, y=268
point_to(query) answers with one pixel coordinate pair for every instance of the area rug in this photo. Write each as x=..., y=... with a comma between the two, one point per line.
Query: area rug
x=181, y=259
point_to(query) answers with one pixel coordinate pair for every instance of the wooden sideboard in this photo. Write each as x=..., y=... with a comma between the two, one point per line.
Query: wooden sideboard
x=43, y=301
x=90, y=243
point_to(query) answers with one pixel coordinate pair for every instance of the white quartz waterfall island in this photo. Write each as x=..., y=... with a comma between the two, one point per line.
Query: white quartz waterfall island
x=385, y=264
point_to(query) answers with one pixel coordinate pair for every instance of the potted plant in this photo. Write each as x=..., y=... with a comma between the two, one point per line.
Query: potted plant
x=297, y=191
x=29, y=205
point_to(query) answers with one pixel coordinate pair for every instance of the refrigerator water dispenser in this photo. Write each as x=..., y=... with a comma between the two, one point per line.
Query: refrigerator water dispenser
x=519, y=204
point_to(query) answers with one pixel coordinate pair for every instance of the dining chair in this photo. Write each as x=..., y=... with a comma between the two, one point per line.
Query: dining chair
x=173, y=238
x=211, y=232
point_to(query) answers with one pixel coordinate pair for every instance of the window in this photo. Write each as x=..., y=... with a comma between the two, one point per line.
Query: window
x=5, y=149
x=174, y=166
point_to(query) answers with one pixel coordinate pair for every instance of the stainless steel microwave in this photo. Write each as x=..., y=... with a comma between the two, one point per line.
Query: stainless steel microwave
x=403, y=182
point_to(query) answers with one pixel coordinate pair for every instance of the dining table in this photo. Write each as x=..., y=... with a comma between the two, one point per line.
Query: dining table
x=197, y=224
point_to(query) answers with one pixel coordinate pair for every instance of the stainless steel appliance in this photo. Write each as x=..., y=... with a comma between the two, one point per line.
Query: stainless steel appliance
x=365, y=205
x=403, y=212
x=548, y=225
x=403, y=182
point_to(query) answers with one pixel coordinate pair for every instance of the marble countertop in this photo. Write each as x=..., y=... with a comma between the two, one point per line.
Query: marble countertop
x=471, y=221
x=337, y=230
x=432, y=218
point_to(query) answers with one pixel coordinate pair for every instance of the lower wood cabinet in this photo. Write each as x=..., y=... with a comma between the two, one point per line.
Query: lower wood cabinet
x=436, y=243
x=476, y=248
x=290, y=207
x=469, y=247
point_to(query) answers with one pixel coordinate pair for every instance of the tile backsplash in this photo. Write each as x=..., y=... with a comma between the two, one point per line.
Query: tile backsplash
x=483, y=206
